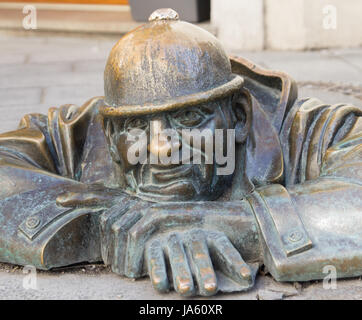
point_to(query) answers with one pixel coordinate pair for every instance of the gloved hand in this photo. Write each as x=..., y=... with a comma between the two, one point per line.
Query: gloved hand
x=185, y=241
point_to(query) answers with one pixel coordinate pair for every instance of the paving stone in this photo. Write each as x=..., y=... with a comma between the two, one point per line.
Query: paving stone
x=75, y=39
x=68, y=53
x=354, y=58
x=77, y=95
x=23, y=45
x=34, y=69
x=89, y=66
x=15, y=96
x=43, y=52
x=77, y=284
x=9, y=125
x=7, y=58
x=308, y=66
x=65, y=48
x=14, y=114
x=45, y=80
x=13, y=39
x=331, y=96
x=269, y=295
x=108, y=44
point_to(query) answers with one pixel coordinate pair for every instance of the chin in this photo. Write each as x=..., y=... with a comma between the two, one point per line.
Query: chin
x=182, y=191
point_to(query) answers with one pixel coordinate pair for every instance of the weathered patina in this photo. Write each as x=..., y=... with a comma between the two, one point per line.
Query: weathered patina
x=69, y=192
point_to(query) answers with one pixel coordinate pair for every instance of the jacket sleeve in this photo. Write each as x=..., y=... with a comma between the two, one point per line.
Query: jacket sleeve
x=38, y=161
x=315, y=219
x=50, y=145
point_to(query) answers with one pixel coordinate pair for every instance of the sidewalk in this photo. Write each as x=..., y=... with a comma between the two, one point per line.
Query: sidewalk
x=39, y=72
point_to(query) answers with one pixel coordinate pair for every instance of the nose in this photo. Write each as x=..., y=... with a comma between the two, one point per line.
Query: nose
x=161, y=143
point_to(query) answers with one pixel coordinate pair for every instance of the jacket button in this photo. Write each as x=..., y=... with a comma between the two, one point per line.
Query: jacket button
x=32, y=222
x=295, y=236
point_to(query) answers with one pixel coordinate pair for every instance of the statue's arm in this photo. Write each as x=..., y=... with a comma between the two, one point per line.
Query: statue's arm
x=307, y=227
x=39, y=185
x=315, y=220
x=29, y=186
x=49, y=145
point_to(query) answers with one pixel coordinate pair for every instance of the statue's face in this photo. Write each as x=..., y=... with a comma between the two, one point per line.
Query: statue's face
x=157, y=152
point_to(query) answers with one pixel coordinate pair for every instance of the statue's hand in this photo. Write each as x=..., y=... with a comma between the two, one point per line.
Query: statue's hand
x=88, y=196
x=193, y=256
x=195, y=238
x=116, y=204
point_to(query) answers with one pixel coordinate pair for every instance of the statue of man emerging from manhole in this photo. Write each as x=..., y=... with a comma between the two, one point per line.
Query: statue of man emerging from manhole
x=194, y=169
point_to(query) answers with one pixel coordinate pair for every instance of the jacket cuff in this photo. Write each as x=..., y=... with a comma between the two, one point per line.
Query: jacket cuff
x=283, y=233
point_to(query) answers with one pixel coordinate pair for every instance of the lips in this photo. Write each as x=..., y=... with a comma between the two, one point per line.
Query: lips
x=173, y=182
x=175, y=191
x=171, y=174
x=167, y=183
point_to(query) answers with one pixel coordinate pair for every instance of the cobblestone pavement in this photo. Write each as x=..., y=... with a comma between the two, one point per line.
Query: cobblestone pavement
x=39, y=72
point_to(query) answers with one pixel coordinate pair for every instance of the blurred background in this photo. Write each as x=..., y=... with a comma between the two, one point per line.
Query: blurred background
x=239, y=24
x=53, y=52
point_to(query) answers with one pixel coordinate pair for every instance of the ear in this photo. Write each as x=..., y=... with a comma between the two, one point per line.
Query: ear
x=241, y=105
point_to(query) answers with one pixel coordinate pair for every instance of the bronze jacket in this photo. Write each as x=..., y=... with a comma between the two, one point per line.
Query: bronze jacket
x=304, y=157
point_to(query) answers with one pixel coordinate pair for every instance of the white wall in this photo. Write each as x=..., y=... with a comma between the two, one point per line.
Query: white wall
x=239, y=23
x=287, y=24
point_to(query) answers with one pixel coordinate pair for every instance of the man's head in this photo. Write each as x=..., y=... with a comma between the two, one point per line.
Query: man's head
x=172, y=110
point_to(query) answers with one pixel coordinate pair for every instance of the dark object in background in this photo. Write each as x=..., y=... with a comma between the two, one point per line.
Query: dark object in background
x=188, y=10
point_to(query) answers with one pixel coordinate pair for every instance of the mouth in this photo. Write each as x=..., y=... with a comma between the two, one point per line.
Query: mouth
x=167, y=182
x=173, y=191
x=171, y=174
x=172, y=182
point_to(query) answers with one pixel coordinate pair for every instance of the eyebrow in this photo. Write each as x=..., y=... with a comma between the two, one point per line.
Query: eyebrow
x=200, y=107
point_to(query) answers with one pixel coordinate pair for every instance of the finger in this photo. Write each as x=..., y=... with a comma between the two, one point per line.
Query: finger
x=67, y=199
x=74, y=199
x=201, y=263
x=106, y=221
x=181, y=273
x=157, y=267
x=156, y=219
x=120, y=233
x=229, y=261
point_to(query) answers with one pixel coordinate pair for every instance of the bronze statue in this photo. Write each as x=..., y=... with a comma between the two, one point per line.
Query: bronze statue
x=70, y=193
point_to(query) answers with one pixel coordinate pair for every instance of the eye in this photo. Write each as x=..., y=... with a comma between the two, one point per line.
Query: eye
x=188, y=118
x=135, y=123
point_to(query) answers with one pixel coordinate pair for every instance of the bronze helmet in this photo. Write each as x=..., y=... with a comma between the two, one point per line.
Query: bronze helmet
x=165, y=64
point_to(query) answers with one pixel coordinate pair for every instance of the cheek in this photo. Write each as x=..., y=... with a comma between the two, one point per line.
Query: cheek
x=188, y=138
x=223, y=121
x=124, y=146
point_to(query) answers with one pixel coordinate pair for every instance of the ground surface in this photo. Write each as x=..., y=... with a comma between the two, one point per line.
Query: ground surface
x=38, y=72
